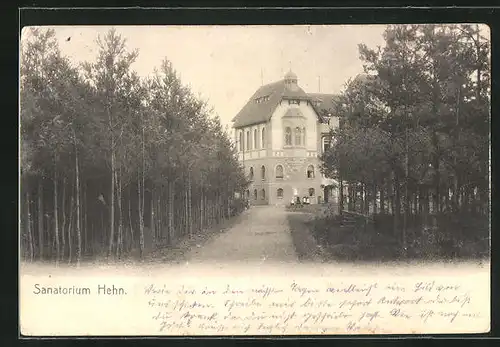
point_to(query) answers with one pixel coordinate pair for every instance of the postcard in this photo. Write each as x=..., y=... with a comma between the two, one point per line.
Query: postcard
x=254, y=180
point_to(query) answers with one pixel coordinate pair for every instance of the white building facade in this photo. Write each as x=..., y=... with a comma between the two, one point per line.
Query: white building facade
x=280, y=134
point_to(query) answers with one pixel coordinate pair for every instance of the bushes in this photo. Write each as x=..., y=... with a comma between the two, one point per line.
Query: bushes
x=449, y=236
x=238, y=205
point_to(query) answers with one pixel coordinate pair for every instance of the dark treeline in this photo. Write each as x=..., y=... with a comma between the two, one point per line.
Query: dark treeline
x=112, y=163
x=413, y=142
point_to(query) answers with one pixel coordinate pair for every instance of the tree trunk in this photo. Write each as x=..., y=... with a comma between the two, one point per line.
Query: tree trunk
x=425, y=207
x=40, y=220
x=119, y=246
x=159, y=214
x=202, y=213
x=56, y=216
x=341, y=196
x=190, y=206
x=397, y=204
x=186, y=212
x=70, y=225
x=29, y=228
x=437, y=184
x=63, y=227
x=415, y=203
x=112, y=198
x=130, y=219
x=152, y=214
x=85, y=219
x=382, y=197
x=366, y=207
x=140, y=193
x=78, y=226
x=170, y=212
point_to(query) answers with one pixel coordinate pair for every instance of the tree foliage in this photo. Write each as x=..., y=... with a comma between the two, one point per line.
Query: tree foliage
x=414, y=135
x=118, y=163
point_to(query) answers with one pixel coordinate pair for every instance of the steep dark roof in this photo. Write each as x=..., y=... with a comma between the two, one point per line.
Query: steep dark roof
x=270, y=95
x=326, y=102
x=258, y=112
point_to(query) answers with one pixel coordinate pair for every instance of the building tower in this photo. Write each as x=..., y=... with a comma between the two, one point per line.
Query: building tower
x=280, y=135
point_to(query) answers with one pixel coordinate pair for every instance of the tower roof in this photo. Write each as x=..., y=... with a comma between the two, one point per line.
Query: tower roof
x=290, y=75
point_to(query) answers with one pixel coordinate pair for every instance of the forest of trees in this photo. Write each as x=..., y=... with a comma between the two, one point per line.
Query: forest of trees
x=413, y=141
x=111, y=163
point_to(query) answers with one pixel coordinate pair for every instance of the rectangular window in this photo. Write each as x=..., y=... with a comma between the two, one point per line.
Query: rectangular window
x=326, y=143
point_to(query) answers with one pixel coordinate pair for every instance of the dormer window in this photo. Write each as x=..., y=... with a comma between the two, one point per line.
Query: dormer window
x=294, y=102
x=261, y=99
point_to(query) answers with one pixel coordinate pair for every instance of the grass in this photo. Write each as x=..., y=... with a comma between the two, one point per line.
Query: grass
x=316, y=209
x=306, y=246
x=453, y=237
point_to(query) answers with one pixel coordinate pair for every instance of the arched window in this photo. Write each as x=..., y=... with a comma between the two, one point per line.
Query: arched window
x=298, y=136
x=247, y=193
x=310, y=171
x=279, y=171
x=255, y=194
x=311, y=191
x=263, y=141
x=242, y=144
x=255, y=143
x=263, y=172
x=249, y=147
x=251, y=173
x=263, y=194
x=279, y=193
x=288, y=136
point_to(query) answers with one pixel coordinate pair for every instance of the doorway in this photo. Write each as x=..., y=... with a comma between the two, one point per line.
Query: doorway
x=326, y=194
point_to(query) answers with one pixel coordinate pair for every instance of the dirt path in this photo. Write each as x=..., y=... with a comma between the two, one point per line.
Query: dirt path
x=262, y=235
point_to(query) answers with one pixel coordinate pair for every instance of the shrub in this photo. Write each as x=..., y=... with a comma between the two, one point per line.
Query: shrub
x=449, y=236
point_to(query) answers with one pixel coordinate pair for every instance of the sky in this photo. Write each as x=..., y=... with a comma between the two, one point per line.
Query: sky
x=226, y=64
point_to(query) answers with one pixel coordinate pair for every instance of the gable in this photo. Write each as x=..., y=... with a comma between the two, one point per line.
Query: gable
x=261, y=105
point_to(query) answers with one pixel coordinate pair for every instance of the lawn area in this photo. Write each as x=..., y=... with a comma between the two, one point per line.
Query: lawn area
x=318, y=231
x=307, y=247
x=315, y=209
x=451, y=237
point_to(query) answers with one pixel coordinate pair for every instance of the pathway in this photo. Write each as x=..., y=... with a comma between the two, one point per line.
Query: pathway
x=262, y=235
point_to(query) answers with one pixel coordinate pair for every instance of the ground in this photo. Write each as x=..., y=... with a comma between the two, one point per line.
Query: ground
x=261, y=234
